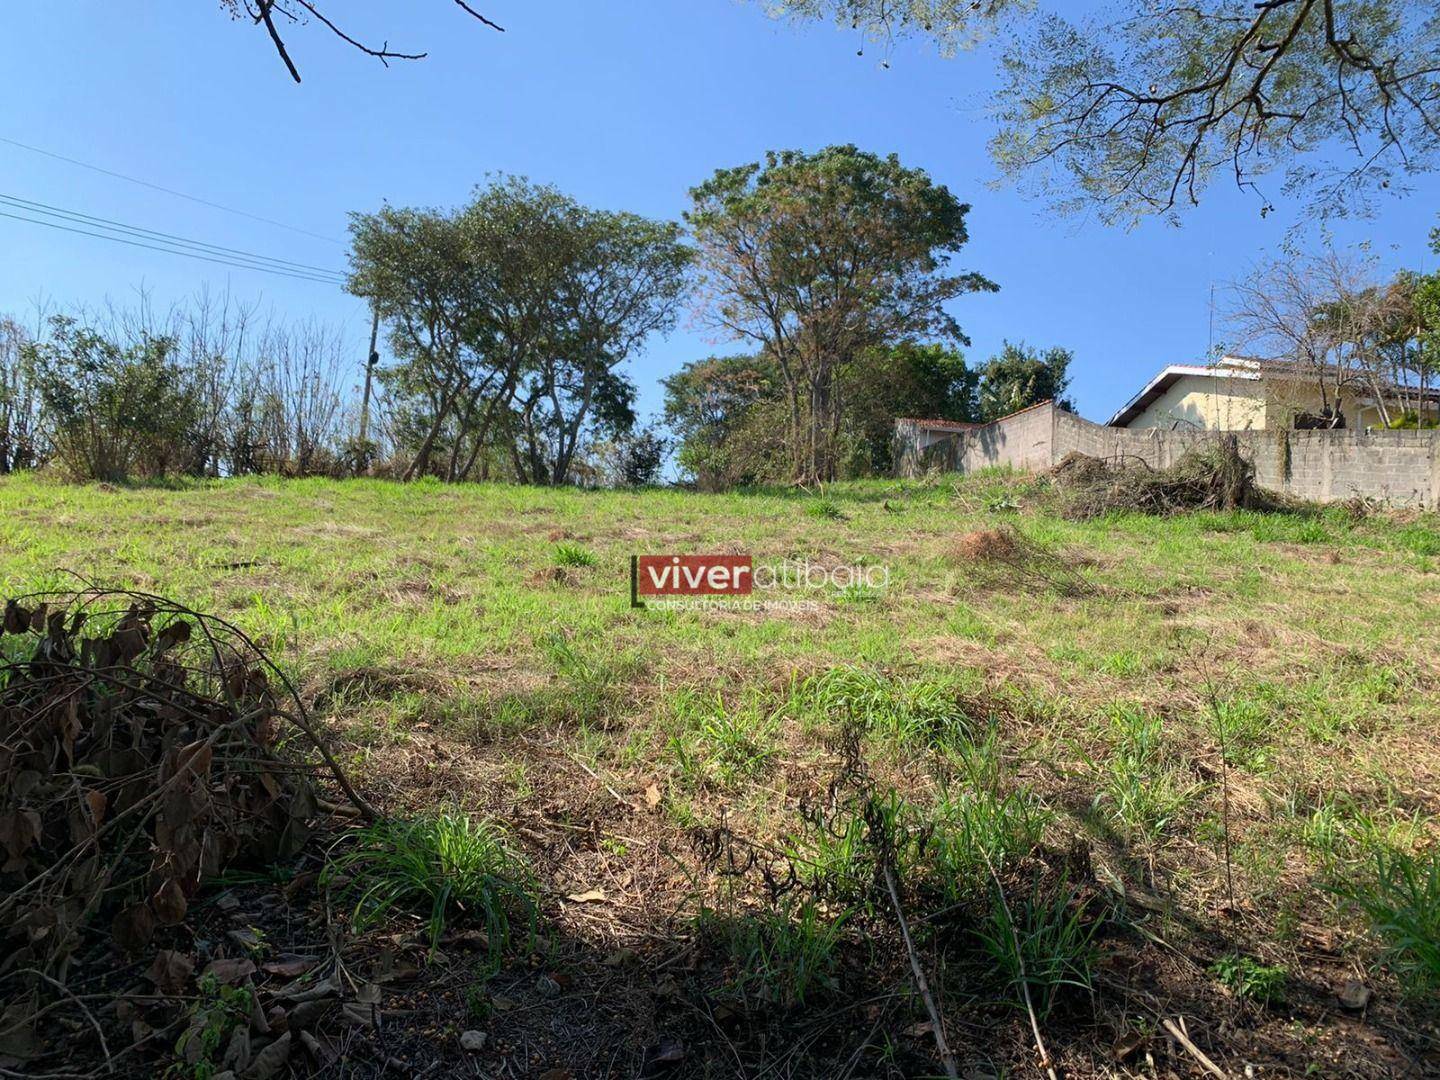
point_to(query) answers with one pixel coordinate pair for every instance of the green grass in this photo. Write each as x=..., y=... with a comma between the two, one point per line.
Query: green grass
x=1043, y=942
x=444, y=867
x=451, y=646
x=1399, y=896
x=784, y=956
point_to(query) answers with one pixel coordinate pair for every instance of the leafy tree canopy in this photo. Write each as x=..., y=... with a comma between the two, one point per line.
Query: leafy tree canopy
x=817, y=258
x=1021, y=376
x=1136, y=109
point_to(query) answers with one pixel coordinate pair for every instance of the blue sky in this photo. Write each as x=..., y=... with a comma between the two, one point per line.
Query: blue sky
x=624, y=105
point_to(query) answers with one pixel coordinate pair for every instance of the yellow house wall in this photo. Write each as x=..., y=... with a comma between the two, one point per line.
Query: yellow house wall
x=1204, y=402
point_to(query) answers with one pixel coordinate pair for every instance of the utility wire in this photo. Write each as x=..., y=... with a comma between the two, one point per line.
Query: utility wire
x=173, y=251
x=31, y=207
x=169, y=191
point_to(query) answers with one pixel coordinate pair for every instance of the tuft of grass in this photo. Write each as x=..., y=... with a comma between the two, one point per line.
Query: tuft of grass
x=1242, y=726
x=1045, y=942
x=1137, y=787
x=826, y=509
x=573, y=556
x=1401, y=901
x=443, y=866
x=1250, y=980
x=978, y=824
x=928, y=710
x=722, y=744
x=784, y=955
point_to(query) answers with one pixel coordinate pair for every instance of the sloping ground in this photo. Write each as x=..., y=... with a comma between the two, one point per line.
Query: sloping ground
x=1175, y=769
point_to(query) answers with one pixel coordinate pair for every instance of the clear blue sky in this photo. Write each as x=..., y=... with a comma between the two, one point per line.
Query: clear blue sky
x=624, y=104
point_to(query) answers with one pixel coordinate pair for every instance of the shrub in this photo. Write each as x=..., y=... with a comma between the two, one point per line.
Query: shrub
x=442, y=865
x=115, y=410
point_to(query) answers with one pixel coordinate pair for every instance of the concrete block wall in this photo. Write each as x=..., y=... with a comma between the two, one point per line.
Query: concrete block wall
x=1400, y=468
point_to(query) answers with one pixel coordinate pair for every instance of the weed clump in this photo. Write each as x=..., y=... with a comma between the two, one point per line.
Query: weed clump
x=1401, y=901
x=443, y=866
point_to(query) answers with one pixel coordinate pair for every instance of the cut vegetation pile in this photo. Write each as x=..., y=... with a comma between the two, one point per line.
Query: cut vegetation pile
x=1005, y=558
x=144, y=749
x=1211, y=479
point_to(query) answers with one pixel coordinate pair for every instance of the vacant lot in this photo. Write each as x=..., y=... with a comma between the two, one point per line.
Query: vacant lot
x=1199, y=753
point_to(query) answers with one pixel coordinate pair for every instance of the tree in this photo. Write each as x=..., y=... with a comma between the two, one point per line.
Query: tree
x=717, y=409
x=1275, y=313
x=509, y=317
x=22, y=443
x=909, y=379
x=1135, y=115
x=1021, y=376
x=817, y=258
x=1328, y=329
x=277, y=16
x=622, y=281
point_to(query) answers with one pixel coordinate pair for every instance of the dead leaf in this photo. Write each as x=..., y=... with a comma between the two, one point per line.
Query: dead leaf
x=133, y=928
x=289, y=967
x=230, y=971
x=19, y=831
x=1127, y=1046
x=169, y=903
x=667, y=1051
x=653, y=795
x=593, y=896
x=270, y=1061
x=170, y=971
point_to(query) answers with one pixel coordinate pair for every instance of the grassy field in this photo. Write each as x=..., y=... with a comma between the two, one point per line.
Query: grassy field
x=1199, y=754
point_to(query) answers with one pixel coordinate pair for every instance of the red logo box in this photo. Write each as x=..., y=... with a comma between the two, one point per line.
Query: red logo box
x=691, y=575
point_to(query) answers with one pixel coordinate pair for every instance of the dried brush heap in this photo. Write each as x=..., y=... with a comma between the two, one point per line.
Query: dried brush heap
x=144, y=749
x=1005, y=558
x=1215, y=478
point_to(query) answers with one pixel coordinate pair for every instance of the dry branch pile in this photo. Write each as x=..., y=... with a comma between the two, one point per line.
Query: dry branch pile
x=1211, y=479
x=1005, y=558
x=144, y=749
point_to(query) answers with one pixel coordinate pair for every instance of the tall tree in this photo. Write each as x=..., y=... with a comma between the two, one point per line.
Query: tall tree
x=1020, y=376
x=1135, y=109
x=510, y=315
x=818, y=257
x=908, y=379
x=622, y=281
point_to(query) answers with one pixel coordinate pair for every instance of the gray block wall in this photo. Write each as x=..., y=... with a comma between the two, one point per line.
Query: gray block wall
x=1400, y=468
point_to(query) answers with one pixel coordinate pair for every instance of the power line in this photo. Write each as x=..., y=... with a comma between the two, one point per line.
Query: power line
x=172, y=251
x=109, y=225
x=170, y=191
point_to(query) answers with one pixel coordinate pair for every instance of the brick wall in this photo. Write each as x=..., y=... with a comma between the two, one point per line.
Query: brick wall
x=1401, y=468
